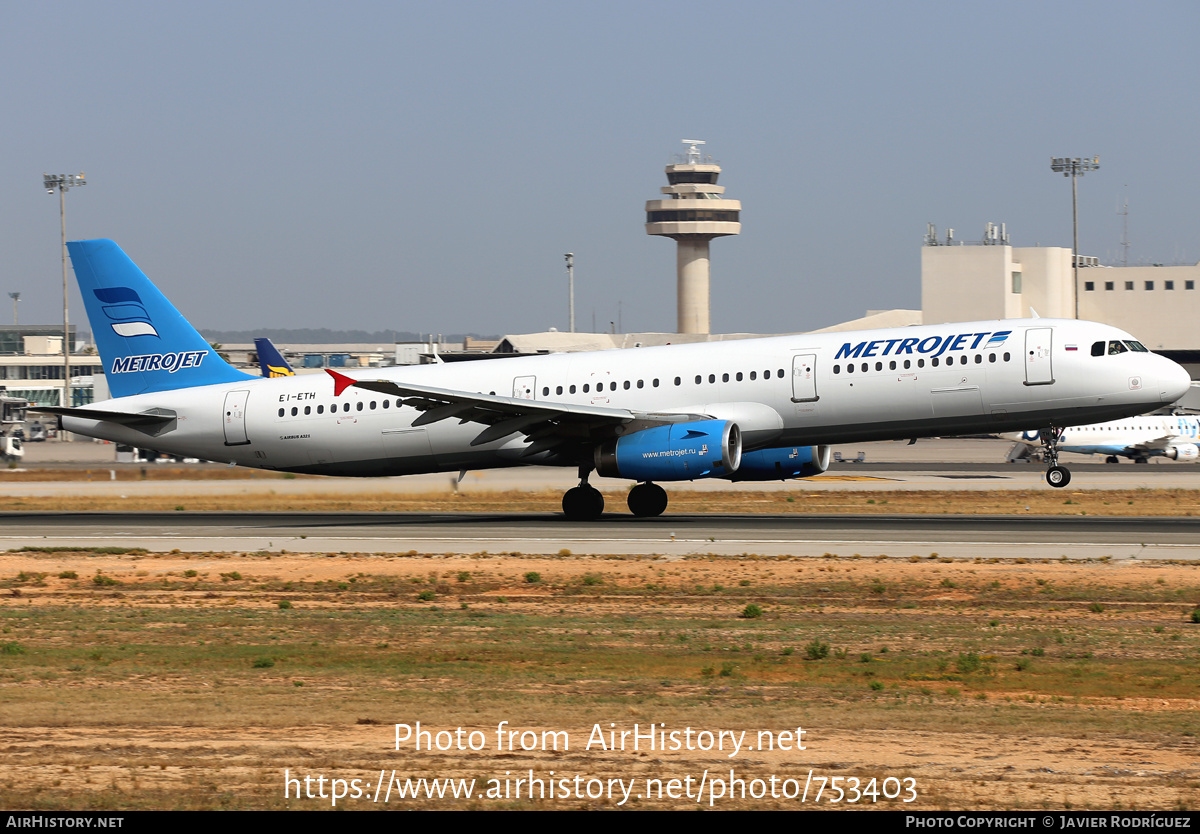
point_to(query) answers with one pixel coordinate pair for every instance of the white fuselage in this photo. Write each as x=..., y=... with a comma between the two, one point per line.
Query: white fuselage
x=788, y=390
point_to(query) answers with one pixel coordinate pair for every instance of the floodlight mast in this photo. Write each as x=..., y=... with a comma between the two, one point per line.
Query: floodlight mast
x=1074, y=167
x=570, y=256
x=62, y=183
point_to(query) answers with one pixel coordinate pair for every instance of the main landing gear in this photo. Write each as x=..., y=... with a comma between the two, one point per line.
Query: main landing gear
x=1057, y=476
x=647, y=500
x=584, y=502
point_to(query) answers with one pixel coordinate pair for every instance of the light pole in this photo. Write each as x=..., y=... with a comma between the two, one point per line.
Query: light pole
x=63, y=182
x=570, y=256
x=15, y=296
x=1074, y=167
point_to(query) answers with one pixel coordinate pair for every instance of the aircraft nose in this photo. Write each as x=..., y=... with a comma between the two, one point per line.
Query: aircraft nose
x=1175, y=382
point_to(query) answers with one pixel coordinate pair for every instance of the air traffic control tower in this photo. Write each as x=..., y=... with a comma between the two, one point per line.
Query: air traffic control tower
x=694, y=214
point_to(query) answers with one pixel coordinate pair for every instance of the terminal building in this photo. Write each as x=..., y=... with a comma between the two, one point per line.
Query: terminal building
x=990, y=279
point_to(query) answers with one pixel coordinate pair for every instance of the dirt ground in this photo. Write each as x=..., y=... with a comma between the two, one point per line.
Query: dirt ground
x=204, y=760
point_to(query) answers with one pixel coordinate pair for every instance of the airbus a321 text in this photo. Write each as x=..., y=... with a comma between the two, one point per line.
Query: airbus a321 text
x=1138, y=438
x=757, y=409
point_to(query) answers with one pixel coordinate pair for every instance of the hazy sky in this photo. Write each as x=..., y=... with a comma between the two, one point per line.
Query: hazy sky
x=424, y=166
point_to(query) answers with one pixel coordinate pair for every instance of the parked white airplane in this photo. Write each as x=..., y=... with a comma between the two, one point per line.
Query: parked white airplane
x=1139, y=438
x=758, y=409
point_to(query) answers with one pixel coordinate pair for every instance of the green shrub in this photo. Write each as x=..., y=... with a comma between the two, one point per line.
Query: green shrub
x=751, y=612
x=533, y=577
x=816, y=650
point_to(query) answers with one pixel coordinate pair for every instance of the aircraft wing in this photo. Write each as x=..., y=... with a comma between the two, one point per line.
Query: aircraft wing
x=1156, y=446
x=547, y=424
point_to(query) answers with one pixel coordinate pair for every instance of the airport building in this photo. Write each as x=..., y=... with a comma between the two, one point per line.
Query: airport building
x=990, y=279
x=31, y=365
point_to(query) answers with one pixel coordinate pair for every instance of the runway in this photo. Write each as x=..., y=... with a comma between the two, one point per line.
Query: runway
x=668, y=537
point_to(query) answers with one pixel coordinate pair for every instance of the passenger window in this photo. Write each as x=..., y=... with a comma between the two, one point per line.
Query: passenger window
x=699, y=379
x=572, y=389
x=907, y=364
x=295, y=411
x=864, y=367
x=934, y=362
x=372, y=405
x=678, y=381
x=837, y=369
x=641, y=384
x=545, y=392
x=625, y=385
x=612, y=386
x=320, y=409
x=753, y=375
x=558, y=391
x=978, y=359
x=892, y=365
x=358, y=405
x=724, y=377
x=307, y=410
x=850, y=368
x=386, y=404
x=739, y=376
x=991, y=357
x=879, y=366
x=920, y=363
x=281, y=412
x=1007, y=356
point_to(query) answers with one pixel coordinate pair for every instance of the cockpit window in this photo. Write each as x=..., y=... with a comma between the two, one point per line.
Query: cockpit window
x=1137, y=347
x=1116, y=347
x=1097, y=348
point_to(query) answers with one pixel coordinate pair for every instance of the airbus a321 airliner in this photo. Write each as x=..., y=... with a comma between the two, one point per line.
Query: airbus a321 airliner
x=758, y=409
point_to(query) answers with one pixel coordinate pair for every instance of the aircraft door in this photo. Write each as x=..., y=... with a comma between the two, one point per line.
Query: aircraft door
x=1038, y=367
x=235, y=418
x=524, y=387
x=804, y=378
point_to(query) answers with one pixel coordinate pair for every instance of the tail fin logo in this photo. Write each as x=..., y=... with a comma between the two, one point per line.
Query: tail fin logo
x=125, y=312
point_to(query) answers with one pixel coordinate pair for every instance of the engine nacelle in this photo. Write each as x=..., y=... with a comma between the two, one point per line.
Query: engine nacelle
x=676, y=452
x=1183, y=451
x=782, y=463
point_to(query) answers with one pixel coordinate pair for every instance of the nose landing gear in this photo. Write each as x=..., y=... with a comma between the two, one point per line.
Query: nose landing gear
x=1057, y=476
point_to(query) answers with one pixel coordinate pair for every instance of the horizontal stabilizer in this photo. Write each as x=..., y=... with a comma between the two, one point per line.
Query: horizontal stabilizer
x=154, y=422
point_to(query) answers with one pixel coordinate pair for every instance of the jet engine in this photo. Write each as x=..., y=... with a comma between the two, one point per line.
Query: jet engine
x=782, y=463
x=675, y=452
x=1183, y=451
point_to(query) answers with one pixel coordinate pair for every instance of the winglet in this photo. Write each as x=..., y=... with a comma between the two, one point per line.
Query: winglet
x=340, y=382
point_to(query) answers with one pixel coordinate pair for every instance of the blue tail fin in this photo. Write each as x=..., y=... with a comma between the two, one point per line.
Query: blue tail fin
x=146, y=345
x=271, y=360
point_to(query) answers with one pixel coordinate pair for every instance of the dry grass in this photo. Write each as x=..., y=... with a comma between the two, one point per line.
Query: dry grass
x=1132, y=502
x=185, y=684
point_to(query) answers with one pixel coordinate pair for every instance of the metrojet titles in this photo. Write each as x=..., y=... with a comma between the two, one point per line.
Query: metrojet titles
x=170, y=362
x=935, y=345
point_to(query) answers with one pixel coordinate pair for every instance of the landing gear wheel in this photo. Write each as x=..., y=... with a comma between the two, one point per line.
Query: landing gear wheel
x=646, y=500
x=1058, y=476
x=1112, y=459
x=583, y=503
